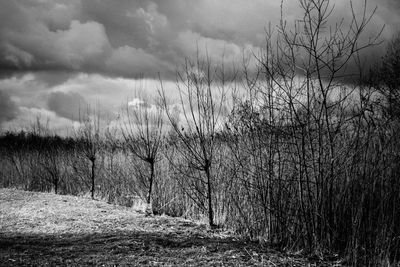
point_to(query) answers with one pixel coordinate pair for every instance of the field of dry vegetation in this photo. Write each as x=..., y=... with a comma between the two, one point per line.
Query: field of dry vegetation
x=44, y=229
x=298, y=149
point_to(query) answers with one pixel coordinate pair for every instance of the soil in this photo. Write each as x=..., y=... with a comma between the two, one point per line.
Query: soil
x=44, y=229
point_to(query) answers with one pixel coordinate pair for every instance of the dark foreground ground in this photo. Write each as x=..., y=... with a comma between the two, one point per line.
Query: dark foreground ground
x=38, y=229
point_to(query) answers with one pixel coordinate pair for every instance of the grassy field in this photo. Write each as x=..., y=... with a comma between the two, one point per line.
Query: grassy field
x=41, y=229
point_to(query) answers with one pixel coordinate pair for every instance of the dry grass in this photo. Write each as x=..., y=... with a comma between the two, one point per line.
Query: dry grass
x=39, y=229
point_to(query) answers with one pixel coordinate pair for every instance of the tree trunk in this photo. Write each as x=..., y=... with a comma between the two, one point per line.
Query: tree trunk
x=150, y=182
x=56, y=186
x=149, y=208
x=209, y=197
x=93, y=169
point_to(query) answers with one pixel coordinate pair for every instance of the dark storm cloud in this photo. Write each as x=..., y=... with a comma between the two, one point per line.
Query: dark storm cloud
x=123, y=38
x=68, y=105
x=8, y=109
x=32, y=44
x=127, y=38
x=88, y=36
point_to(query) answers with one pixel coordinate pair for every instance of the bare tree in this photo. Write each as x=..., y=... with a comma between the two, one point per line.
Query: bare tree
x=52, y=159
x=195, y=120
x=89, y=140
x=142, y=130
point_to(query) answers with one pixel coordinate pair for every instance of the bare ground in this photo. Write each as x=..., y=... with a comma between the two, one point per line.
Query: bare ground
x=41, y=229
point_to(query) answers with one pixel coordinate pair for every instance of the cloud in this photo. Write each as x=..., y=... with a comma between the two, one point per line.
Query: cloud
x=68, y=105
x=28, y=117
x=128, y=38
x=8, y=109
x=81, y=45
x=143, y=112
x=137, y=103
x=63, y=98
x=127, y=60
x=191, y=43
x=74, y=36
x=25, y=90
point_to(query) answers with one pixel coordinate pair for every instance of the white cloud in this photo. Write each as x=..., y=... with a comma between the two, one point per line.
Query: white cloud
x=136, y=102
x=28, y=117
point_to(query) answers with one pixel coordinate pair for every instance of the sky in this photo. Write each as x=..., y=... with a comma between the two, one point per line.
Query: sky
x=57, y=56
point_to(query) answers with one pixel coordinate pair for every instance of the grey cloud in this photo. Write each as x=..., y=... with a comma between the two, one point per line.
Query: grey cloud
x=127, y=38
x=68, y=105
x=53, y=78
x=123, y=24
x=126, y=61
x=8, y=109
x=68, y=100
x=82, y=44
x=121, y=38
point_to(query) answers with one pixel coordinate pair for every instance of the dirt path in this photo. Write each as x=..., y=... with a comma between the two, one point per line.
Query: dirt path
x=38, y=229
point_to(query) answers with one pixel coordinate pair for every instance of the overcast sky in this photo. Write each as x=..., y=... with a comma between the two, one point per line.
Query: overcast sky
x=56, y=56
